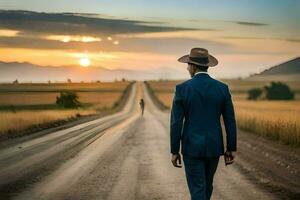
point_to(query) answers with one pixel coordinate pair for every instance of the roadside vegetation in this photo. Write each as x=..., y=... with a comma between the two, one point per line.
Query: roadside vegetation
x=68, y=99
x=273, y=119
x=273, y=91
x=35, y=106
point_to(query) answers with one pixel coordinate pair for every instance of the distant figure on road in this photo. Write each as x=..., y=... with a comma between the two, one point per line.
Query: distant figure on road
x=142, y=106
x=195, y=121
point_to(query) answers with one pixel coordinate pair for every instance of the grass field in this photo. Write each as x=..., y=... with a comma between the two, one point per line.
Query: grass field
x=236, y=86
x=277, y=120
x=55, y=87
x=26, y=105
x=101, y=100
x=24, y=119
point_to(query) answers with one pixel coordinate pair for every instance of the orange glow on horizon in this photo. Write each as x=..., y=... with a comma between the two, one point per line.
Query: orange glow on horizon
x=109, y=60
x=138, y=60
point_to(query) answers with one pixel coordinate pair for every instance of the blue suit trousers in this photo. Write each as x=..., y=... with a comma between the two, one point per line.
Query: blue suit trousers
x=199, y=174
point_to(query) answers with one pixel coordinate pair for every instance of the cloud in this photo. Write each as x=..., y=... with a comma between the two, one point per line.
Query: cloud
x=244, y=23
x=249, y=23
x=62, y=31
x=262, y=38
x=163, y=45
x=41, y=23
x=65, y=31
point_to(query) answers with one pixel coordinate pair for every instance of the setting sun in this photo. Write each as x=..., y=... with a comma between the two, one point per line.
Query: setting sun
x=84, y=62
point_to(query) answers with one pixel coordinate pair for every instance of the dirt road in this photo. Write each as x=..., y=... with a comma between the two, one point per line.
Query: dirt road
x=123, y=156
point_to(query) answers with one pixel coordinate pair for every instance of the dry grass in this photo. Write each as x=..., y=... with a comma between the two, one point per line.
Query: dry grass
x=54, y=87
x=101, y=96
x=165, y=98
x=163, y=86
x=28, y=98
x=275, y=120
x=244, y=85
x=24, y=119
x=100, y=99
x=278, y=120
x=236, y=86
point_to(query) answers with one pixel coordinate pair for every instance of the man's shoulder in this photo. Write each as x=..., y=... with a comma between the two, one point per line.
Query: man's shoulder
x=182, y=84
x=219, y=83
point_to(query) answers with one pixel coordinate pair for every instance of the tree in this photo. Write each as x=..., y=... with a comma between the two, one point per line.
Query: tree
x=16, y=82
x=68, y=99
x=279, y=91
x=69, y=80
x=255, y=93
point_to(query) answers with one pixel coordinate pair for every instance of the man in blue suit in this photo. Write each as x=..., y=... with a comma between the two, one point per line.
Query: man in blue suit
x=195, y=121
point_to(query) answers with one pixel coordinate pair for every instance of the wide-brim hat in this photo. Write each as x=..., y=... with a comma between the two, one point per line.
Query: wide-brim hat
x=199, y=56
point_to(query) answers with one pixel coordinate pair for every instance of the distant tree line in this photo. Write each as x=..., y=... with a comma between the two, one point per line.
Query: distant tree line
x=274, y=91
x=16, y=81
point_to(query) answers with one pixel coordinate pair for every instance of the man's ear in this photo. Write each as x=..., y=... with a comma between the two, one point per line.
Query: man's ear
x=194, y=69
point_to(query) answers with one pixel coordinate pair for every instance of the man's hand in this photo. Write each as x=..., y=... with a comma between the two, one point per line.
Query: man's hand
x=175, y=158
x=228, y=157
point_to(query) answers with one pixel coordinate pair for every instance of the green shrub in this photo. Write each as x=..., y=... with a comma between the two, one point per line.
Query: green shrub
x=68, y=99
x=279, y=91
x=255, y=93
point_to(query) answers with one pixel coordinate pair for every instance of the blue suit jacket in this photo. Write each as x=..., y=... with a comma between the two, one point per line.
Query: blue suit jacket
x=195, y=118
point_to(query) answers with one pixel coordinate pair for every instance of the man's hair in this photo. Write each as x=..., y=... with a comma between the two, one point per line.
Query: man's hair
x=200, y=67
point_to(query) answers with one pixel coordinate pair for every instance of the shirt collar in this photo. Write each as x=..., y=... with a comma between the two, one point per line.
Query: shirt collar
x=200, y=72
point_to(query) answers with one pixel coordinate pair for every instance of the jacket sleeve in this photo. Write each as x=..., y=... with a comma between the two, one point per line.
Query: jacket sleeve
x=230, y=122
x=177, y=116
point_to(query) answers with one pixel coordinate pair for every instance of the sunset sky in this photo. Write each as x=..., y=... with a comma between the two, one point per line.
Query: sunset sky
x=246, y=36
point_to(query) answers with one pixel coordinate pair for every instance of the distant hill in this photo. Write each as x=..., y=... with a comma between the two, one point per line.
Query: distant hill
x=287, y=71
x=289, y=67
x=27, y=72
